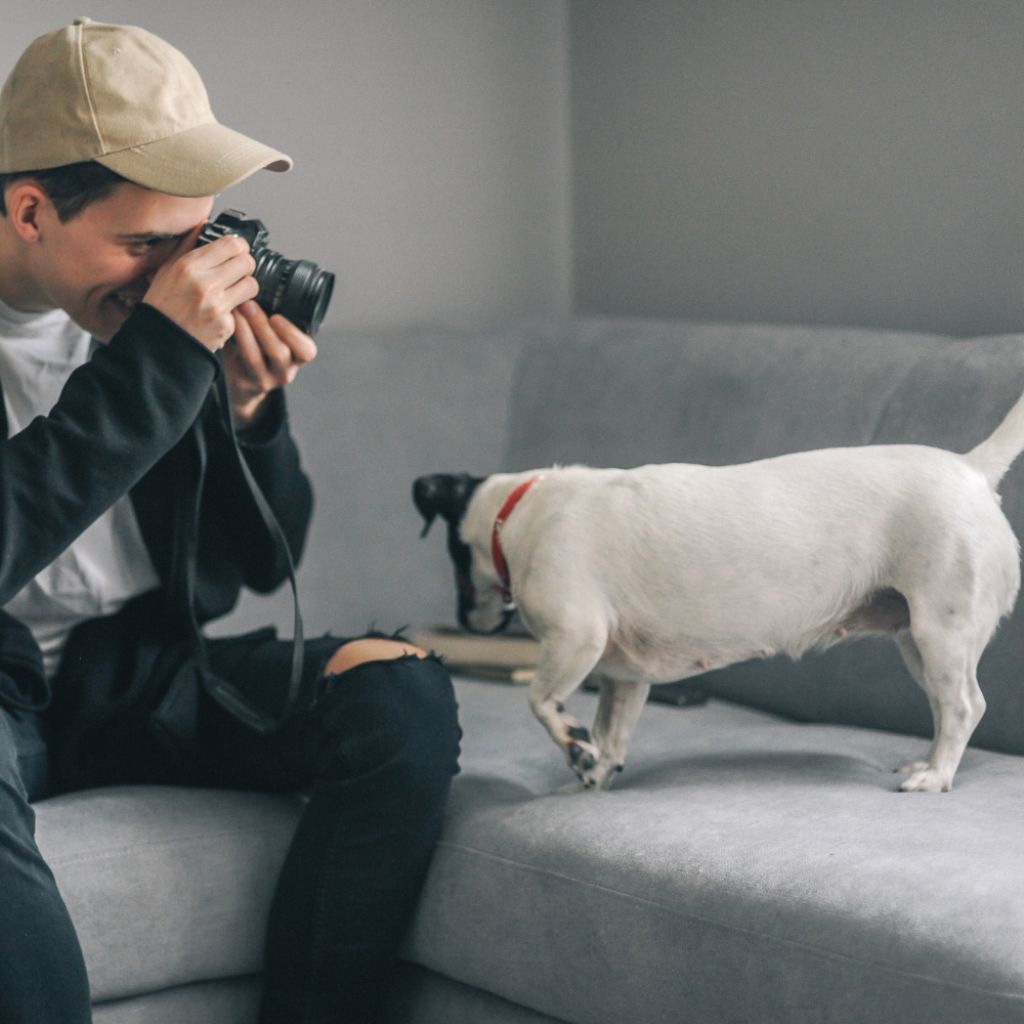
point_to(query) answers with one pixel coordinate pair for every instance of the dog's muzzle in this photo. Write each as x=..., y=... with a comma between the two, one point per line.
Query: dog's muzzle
x=468, y=598
x=507, y=614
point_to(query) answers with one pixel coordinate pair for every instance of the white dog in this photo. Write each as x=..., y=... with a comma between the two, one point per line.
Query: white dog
x=654, y=574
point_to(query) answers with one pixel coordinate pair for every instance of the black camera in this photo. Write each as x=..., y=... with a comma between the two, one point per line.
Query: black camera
x=297, y=289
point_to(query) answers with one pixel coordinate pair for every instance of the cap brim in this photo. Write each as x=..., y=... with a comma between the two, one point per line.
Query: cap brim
x=200, y=161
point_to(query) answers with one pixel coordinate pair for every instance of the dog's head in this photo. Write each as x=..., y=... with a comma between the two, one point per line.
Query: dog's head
x=480, y=608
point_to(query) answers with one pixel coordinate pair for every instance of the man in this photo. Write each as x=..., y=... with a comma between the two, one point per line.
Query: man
x=126, y=520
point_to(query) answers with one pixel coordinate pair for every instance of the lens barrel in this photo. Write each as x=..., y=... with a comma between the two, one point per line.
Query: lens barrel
x=297, y=289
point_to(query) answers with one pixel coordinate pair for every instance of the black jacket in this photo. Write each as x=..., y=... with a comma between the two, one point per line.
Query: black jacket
x=127, y=422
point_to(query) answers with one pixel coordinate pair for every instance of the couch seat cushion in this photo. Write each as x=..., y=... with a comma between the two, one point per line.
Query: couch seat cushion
x=743, y=868
x=166, y=886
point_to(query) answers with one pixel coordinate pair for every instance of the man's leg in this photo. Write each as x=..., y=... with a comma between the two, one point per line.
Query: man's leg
x=376, y=752
x=42, y=973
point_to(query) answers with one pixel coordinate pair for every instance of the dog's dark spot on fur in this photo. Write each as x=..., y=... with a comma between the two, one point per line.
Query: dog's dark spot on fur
x=620, y=767
x=559, y=708
x=579, y=732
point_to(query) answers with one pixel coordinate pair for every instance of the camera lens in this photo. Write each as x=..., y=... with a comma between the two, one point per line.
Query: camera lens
x=297, y=289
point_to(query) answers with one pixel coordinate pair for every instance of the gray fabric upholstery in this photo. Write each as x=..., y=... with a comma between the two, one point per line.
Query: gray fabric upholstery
x=744, y=868
x=423, y=997
x=166, y=886
x=232, y=1001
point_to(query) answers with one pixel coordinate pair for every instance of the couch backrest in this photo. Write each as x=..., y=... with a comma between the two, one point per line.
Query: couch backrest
x=626, y=392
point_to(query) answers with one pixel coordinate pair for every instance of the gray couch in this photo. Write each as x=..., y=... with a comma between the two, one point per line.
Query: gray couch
x=753, y=863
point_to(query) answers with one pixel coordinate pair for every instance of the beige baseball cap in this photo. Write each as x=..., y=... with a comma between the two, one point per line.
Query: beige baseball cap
x=123, y=97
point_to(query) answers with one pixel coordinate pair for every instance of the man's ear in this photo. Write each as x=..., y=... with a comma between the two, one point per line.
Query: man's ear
x=25, y=201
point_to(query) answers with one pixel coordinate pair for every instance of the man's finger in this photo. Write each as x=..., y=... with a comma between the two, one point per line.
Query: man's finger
x=275, y=352
x=244, y=290
x=302, y=346
x=221, y=251
x=248, y=349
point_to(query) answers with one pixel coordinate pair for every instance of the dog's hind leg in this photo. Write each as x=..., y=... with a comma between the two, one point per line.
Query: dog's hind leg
x=915, y=666
x=617, y=712
x=949, y=656
x=565, y=660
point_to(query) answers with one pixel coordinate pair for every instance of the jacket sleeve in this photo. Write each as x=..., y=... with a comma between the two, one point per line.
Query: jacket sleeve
x=117, y=415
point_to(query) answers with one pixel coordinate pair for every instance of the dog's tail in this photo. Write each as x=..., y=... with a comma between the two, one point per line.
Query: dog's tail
x=997, y=453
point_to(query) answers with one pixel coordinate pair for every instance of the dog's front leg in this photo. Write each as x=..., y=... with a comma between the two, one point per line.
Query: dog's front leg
x=565, y=660
x=617, y=713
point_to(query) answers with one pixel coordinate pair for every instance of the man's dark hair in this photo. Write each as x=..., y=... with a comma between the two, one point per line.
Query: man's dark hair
x=71, y=188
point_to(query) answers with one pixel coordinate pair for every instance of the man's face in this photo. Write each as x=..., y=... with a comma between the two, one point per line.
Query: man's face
x=97, y=265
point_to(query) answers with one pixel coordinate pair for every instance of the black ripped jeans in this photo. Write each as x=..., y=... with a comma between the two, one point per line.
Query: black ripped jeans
x=376, y=753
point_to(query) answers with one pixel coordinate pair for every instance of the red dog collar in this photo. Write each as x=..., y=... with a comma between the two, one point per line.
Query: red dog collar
x=498, y=556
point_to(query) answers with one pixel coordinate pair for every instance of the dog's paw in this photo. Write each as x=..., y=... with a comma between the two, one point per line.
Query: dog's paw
x=581, y=752
x=601, y=775
x=911, y=767
x=927, y=780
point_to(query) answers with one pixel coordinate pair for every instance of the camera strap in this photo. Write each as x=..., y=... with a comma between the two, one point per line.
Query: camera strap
x=227, y=695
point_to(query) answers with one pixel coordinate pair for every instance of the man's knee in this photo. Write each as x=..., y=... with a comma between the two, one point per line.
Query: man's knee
x=358, y=652
x=398, y=710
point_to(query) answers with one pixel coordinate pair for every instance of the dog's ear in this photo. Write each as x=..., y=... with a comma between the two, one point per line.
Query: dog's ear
x=429, y=497
x=443, y=494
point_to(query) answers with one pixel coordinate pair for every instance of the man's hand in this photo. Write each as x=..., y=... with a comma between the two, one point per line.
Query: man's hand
x=199, y=289
x=208, y=292
x=266, y=354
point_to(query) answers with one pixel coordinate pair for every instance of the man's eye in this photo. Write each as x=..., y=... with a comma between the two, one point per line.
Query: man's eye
x=143, y=248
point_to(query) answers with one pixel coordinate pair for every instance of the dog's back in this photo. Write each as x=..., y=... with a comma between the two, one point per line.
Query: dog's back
x=773, y=555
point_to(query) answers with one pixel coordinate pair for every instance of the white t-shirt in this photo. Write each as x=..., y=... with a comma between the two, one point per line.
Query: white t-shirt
x=106, y=565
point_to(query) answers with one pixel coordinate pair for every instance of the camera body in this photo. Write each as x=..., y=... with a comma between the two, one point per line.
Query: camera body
x=297, y=289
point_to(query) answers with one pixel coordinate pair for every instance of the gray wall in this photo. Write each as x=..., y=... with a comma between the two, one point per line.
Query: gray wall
x=430, y=141
x=820, y=161
x=826, y=161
